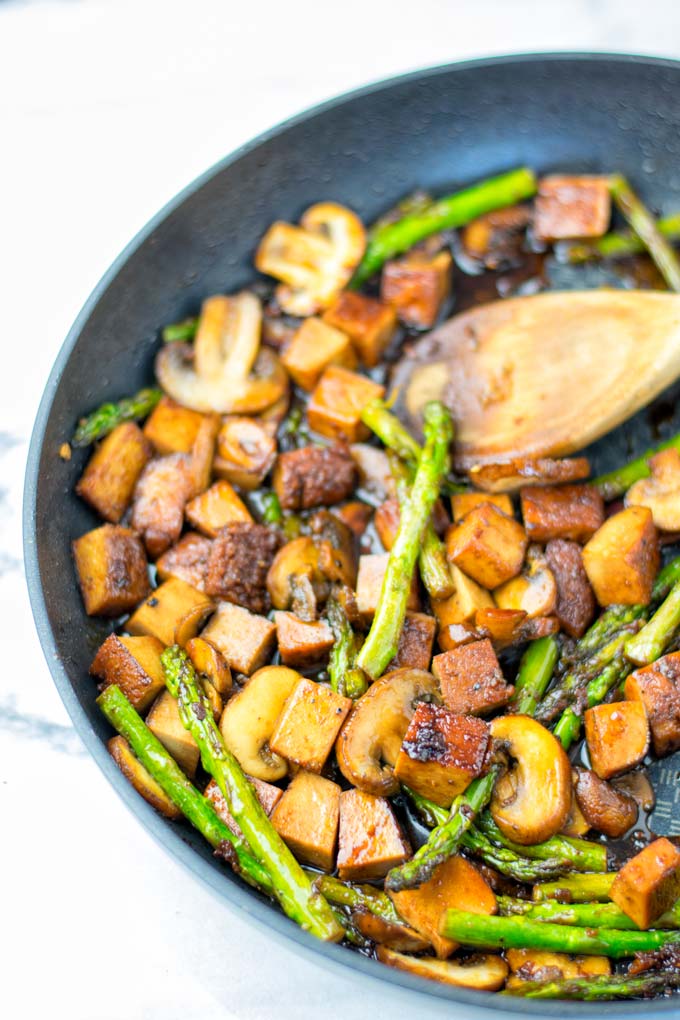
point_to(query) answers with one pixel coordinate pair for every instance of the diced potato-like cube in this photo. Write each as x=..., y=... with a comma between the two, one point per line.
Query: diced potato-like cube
x=187, y=560
x=335, y=406
x=455, y=883
x=567, y=511
x=417, y=286
x=415, y=643
x=307, y=818
x=134, y=664
x=171, y=603
x=245, y=640
x=617, y=736
x=143, y=781
x=172, y=428
x=471, y=680
x=302, y=643
x=372, y=569
x=622, y=558
x=467, y=598
x=109, y=479
x=649, y=884
x=369, y=323
x=112, y=570
x=370, y=841
x=314, y=347
x=570, y=207
x=215, y=508
x=657, y=686
x=163, y=720
x=267, y=794
x=463, y=502
x=309, y=723
x=487, y=545
x=442, y=752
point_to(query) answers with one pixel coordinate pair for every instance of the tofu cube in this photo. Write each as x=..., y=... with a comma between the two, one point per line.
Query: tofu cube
x=171, y=428
x=166, y=608
x=309, y=724
x=370, y=577
x=314, y=347
x=267, y=794
x=187, y=560
x=415, y=643
x=567, y=511
x=302, y=643
x=657, y=687
x=112, y=570
x=467, y=598
x=307, y=818
x=143, y=781
x=487, y=545
x=215, y=508
x=417, y=286
x=617, y=736
x=244, y=639
x=463, y=502
x=163, y=720
x=134, y=664
x=109, y=479
x=370, y=324
x=571, y=207
x=649, y=884
x=335, y=406
x=442, y=752
x=370, y=841
x=471, y=680
x=622, y=558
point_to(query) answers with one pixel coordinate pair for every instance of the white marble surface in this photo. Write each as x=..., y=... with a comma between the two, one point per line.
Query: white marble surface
x=107, y=108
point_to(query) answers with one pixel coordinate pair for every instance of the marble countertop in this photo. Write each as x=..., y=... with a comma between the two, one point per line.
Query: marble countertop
x=107, y=108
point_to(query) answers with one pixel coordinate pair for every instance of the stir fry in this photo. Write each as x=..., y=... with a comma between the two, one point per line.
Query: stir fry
x=413, y=706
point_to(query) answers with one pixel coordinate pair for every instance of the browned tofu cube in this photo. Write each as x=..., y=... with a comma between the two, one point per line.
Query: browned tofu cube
x=417, y=286
x=415, y=642
x=571, y=207
x=649, y=884
x=335, y=406
x=312, y=476
x=463, y=502
x=622, y=558
x=314, y=347
x=163, y=720
x=245, y=640
x=302, y=643
x=267, y=794
x=112, y=570
x=455, y=883
x=238, y=564
x=487, y=545
x=245, y=452
x=187, y=560
x=471, y=680
x=164, y=610
x=161, y=494
x=442, y=752
x=309, y=723
x=143, y=781
x=568, y=511
x=372, y=569
x=109, y=479
x=575, y=606
x=134, y=664
x=617, y=736
x=370, y=840
x=658, y=688
x=215, y=508
x=370, y=324
x=307, y=819
x=172, y=428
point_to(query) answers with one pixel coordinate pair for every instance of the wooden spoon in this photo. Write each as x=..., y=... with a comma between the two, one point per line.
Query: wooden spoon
x=544, y=375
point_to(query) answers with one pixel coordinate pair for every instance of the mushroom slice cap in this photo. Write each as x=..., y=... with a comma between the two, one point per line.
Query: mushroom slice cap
x=534, y=590
x=250, y=717
x=486, y=973
x=660, y=493
x=295, y=560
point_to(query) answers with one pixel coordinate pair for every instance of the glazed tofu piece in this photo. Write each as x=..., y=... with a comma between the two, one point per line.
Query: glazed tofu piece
x=309, y=724
x=571, y=207
x=417, y=286
x=453, y=635
x=215, y=508
x=603, y=807
x=171, y=428
x=335, y=406
x=463, y=502
x=370, y=324
x=617, y=736
x=245, y=452
x=415, y=643
x=622, y=558
x=575, y=606
x=370, y=841
x=568, y=511
x=487, y=545
x=143, y=781
x=267, y=794
x=161, y=614
x=370, y=576
x=302, y=643
x=187, y=560
x=314, y=347
x=649, y=884
x=657, y=687
x=109, y=480
x=112, y=570
x=314, y=476
x=455, y=883
x=462, y=606
x=240, y=558
x=307, y=818
x=134, y=663
x=244, y=639
x=161, y=494
x=442, y=752
x=164, y=722
x=471, y=680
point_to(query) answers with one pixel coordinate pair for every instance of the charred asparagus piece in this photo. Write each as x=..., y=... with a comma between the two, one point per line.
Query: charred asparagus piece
x=619, y=244
x=645, y=226
x=576, y=888
x=587, y=915
x=535, y=672
x=568, y=726
x=615, y=483
x=650, y=642
x=602, y=986
x=572, y=853
x=387, y=427
x=345, y=678
x=108, y=416
x=271, y=509
x=181, y=332
x=357, y=897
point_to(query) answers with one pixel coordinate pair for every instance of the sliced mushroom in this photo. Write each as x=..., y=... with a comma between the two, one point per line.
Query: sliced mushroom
x=214, y=698
x=143, y=781
x=576, y=823
x=522, y=471
x=295, y=577
x=249, y=719
x=607, y=809
x=369, y=742
x=661, y=491
x=486, y=973
x=189, y=625
x=208, y=662
x=389, y=933
x=337, y=553
x=534, y=590
x=226, y=370
x=315, y=260
x=531, y=800
x=245, y=452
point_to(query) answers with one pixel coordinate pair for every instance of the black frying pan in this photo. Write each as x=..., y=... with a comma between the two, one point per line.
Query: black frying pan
x=436, y=129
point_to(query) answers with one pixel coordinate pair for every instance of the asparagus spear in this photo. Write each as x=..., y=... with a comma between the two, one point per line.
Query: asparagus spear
x=535, y=671
x=618, y=244
x=290, y=885
x=575, y=888
x=446, y=838
x=568, y=726
x=357, y=897
x=649, y=643
x=517, y=932
x=344, y=677
x=454, y=210
x=169, y=776
x=180, y=331
x=574, y=854
x=108, y=416
x=387, y=427
x=615, y=483
x=613, y=619
x=644, y=225
x=668, y=576
x=509, y=863
x=383, y=638
x=602, y=986
x=587, y=915
x=568, y=687
x=271, y=509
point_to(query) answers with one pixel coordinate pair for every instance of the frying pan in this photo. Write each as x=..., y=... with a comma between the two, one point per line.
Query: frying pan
x=437, y=129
